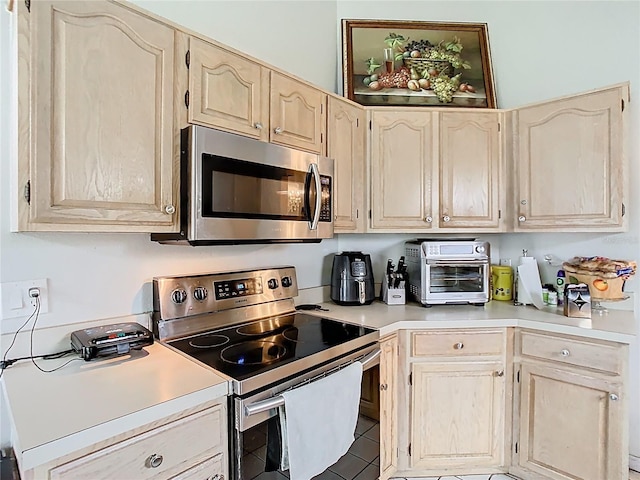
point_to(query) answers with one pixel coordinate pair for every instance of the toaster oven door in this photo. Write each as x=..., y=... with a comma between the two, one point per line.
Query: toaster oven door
x=450, y=281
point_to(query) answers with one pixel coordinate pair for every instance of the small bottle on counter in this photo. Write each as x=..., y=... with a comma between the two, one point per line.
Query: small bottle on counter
x=552, y=298
x=560, y=284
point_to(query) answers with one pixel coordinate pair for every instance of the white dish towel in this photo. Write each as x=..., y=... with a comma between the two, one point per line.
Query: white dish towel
x=318, y=422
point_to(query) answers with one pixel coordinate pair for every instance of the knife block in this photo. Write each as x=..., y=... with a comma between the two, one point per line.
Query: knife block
x=393, y=296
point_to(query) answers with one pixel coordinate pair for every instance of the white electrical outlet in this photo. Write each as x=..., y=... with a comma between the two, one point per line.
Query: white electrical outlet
x=19, y=300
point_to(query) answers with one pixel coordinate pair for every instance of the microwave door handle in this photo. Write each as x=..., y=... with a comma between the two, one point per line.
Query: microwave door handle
x=313, y=171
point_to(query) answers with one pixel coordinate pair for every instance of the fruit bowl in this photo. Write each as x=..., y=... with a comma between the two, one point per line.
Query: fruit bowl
x=604, y=276
x=600, y=288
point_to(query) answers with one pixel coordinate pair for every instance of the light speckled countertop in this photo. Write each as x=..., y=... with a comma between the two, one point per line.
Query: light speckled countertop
x=617, y=325
x=85, y=402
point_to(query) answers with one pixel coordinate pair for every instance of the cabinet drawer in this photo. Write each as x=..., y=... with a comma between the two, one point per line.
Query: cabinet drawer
x=457, y=343
x=582, y=353
x=173, y=447
x=210, y=469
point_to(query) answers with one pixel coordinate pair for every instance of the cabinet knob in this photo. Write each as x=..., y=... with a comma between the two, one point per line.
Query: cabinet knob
x=169, y=209
x=446, y=218
x=258, y=126
x=522, y=218
x=458, y=346
x=217, y=476
x=383, y=386
x=428, y=219
x=523, y=202
x=613, y=397
x=154, y=461
x=500, y=373
x=277, y=130
x=564, y=352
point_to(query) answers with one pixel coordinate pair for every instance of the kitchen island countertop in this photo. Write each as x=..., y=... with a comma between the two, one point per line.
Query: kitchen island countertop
x=616, y=325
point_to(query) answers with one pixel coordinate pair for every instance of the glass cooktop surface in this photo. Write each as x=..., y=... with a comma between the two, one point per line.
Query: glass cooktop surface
x=249, y=349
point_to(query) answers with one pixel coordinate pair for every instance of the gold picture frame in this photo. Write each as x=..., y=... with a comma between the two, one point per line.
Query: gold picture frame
x=414, y=63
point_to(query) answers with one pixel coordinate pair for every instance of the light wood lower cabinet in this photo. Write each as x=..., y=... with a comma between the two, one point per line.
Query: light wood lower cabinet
x=572, y=409
x=188, y=446
x=388, y=407
x=96, y=119
x=454, y=418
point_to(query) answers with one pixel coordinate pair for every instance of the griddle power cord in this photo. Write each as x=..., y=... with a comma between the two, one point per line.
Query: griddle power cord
x=50, y=356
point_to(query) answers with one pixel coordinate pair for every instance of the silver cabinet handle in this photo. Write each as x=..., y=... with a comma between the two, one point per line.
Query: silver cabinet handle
x=500, y=373
x=257, y=126
x=277, y=130
x=169, y=209
x=522, y=218
x=613, y=397
x=428, y=219
x=458, y=346
x=564, y=352
x=446, y=218
x=154, y=461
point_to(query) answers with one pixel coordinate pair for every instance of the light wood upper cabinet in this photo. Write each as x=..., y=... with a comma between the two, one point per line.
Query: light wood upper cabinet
x=470, y=186
x=571, y=171
x=227, y=91
x=388, y=407
x=403, y=170
x=433, y=170
x=96, y=119
x=298, y=114
x=346, y=134
x=572, y=409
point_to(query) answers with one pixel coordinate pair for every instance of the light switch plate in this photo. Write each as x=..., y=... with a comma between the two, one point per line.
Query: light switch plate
x=16, y=301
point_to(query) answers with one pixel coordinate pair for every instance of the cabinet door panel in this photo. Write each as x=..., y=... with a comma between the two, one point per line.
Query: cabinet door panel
x=571, y=167
x=402, y=162
x=388, y=407
x=103, y=115
x=345, y=144
x=457, y=415
x=469, y=170
x=298, y=114
x=569, y=425
x=228, y=91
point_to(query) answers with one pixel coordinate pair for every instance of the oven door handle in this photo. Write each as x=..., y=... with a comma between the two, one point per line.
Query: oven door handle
x=277, y=401
x=453, y=263
x=315, y=173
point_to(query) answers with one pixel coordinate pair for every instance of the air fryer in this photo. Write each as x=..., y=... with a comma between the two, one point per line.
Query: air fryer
x=352, y=279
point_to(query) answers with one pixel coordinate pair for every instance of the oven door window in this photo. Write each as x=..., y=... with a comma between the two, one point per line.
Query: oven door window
x=456, y=278
x=239, y=189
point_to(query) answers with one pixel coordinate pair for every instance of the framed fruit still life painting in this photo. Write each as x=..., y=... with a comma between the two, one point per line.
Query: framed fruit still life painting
x=405, y=63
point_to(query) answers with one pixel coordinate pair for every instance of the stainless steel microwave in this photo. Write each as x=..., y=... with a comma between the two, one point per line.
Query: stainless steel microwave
x=240, y=190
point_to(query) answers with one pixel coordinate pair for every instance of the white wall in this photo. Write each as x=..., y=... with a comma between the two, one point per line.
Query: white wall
x=540, y=50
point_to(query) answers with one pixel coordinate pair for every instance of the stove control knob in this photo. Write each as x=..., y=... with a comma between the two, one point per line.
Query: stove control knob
x=179, y=295
x=200, y=293
x=272, y=283
x=480, y=249
x=286, y=282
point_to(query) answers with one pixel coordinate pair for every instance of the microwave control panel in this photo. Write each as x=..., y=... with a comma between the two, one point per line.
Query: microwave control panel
x=325, y=195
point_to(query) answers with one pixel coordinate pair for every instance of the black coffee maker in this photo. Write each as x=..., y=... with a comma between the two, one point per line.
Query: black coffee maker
x=352, y=279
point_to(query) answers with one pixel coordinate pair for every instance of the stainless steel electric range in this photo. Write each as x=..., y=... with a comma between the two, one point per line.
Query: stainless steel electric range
x=245, y=325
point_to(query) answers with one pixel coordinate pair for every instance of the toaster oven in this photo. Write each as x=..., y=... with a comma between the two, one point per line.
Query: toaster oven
x=442, y=271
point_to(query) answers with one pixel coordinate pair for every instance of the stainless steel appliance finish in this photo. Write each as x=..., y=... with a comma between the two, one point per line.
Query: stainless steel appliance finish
x=241, y=190
x=244, y=324
x=448, y=271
